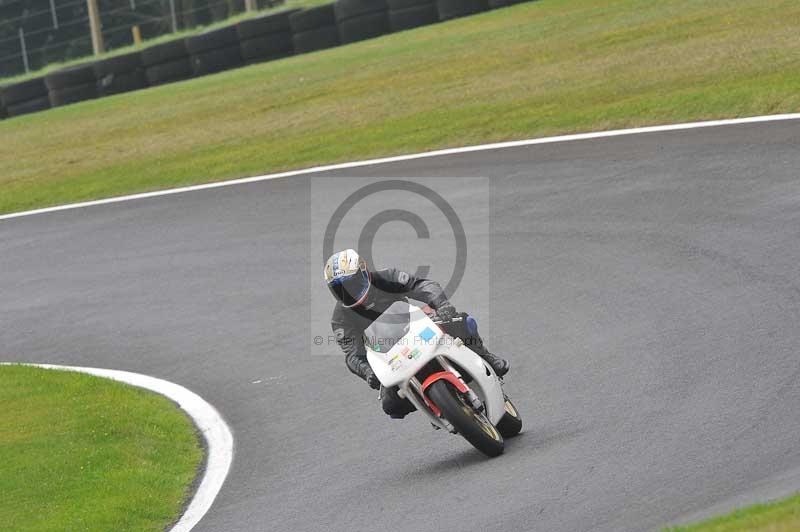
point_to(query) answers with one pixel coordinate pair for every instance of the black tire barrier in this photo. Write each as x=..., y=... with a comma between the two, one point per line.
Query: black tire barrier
x=312, y=19
x=41, y=103
x=212, y=40
x=347, y=9
x=413, y=17
x=176, y=70
x=122, y=73
x=260, y=26
x=364, y=27
x=314, y=29
x=495, y=4
x=270, y=46
x=23, y=91
x=266, y=38
x=397, y=5
x=70, y=77
x=217, y=60
x=118, y=64
x=167, y=62
x=449, y=9
x=122, y=82
x=167, y=52
x=318, y=39
x=68, y=95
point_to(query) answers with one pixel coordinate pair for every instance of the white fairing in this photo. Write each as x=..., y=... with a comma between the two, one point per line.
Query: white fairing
x=424, y=342
x=408, y=355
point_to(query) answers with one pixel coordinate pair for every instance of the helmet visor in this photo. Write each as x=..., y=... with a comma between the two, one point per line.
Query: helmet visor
x=351, y=289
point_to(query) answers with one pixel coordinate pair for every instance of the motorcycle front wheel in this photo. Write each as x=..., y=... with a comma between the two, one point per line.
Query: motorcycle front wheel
x=472, y=425
x=511, y=422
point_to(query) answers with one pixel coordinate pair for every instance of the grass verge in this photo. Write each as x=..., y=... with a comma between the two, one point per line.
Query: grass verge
x=780, y=516
x=541, y=68
x=84, y=453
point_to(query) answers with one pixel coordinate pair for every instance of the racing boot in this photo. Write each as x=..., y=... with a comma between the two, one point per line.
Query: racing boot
x=475, y=342
x=499, y=365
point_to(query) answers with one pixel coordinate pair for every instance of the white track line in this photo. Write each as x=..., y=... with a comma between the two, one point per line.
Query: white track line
x=409, y=157
x=216, y=432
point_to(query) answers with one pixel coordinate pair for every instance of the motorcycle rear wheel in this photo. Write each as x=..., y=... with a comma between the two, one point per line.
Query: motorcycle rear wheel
x=472, y=425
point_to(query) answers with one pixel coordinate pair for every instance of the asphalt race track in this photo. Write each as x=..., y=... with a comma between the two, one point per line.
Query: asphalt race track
x=646, y=289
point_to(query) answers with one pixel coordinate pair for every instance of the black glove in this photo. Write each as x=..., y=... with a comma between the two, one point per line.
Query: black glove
x=372, y=380
x=446, y=312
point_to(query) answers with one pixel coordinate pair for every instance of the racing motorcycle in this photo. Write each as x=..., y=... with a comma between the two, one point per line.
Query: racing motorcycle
x=440, y=376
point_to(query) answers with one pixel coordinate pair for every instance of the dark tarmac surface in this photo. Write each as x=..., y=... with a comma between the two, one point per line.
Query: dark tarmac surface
x=646, y=289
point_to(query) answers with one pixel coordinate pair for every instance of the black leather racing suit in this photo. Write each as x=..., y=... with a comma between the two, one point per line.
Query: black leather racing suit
x=388, y=286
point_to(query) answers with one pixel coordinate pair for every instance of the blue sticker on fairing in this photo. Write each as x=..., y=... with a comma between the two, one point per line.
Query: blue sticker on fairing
x=427, y=334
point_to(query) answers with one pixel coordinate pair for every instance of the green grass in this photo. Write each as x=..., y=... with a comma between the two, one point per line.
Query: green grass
x=781, y=516
x=541, y=68
x=84, y=453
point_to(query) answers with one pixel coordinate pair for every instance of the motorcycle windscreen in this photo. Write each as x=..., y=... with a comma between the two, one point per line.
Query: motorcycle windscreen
x=390, y=328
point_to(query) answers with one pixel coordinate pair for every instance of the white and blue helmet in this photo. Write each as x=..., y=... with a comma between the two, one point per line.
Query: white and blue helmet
x=348, y=277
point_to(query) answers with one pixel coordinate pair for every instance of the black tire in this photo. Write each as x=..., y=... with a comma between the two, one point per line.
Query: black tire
x=122, y=82
x=364, y=27
x=272, y=46
x=120, y=73
x=474, y=427
x=169, y=72
x=217, y=60
x=30, y=106
x=261, y=26
x=318, y=39
x=413, y=17
x=212, y=40
x=70, y=77
x=118, y=64
x=511, y=423
x=24, y=91
x=68, y=95
x=495, y=4
x=348, y=9
x=449, y=9
x=312, y=19
x=397, y=5
x=167, y=52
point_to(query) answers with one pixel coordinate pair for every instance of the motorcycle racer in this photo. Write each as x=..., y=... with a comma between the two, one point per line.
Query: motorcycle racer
x=363, y=295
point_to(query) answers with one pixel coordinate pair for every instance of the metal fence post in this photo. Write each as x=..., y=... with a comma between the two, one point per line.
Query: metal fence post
x=174, y=19
x=53, y=12
x=95, y=27
x=24, y=50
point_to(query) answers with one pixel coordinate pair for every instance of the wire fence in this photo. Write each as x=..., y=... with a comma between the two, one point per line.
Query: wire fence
x=35, y=33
